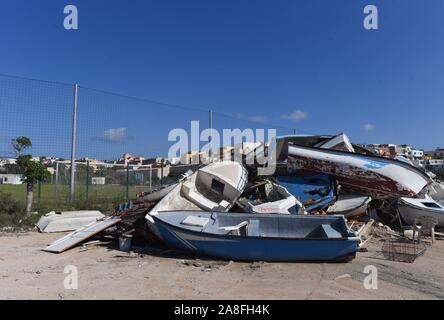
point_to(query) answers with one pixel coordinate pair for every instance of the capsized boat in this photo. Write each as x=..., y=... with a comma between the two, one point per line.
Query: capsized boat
x=350, y=205
x=60, y=221
x=340, y=141
x=264, y=237
x=314, y=192
x=410, y=209
x=380, y=178
x=269, y=197
x=214, y=187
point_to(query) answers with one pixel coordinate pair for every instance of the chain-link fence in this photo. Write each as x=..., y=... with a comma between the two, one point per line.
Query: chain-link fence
x=119, y=144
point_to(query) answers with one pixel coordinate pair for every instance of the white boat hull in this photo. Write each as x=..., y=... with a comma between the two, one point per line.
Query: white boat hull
x=411, y=209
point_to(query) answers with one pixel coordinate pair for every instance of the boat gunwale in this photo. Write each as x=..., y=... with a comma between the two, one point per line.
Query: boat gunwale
x=402, y=202
x=234, y=237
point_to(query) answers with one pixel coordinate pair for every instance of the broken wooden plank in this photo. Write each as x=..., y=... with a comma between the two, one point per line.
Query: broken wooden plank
x=81, y=234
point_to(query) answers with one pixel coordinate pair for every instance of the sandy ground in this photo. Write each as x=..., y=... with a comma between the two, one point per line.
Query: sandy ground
x=26, y=272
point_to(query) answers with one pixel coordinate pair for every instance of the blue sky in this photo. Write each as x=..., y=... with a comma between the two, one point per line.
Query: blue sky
x=308, y=65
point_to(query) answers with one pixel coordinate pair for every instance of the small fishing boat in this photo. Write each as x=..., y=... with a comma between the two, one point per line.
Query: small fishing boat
x=350, y=205
x=214, y=187
x=264, y=237
x=314, y=192
x=269, y=197
x=380, y=178
x=60, y=221
x=410, y=209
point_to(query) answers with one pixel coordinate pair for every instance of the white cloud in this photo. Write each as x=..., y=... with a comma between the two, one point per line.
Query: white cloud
x=296, y=115
x=115, y=135
x=369, y=127
x=258, y=118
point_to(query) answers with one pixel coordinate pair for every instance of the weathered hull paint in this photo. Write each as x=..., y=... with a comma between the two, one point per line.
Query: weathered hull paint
x=377, y=177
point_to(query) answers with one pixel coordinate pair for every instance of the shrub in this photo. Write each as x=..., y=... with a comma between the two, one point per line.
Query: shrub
x=8, y=205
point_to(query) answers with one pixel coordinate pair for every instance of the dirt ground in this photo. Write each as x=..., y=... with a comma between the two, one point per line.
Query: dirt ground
x=26, y=272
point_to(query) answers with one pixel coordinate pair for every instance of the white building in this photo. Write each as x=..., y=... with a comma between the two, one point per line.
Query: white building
x=10, y=178
x=98, y=180
x=416, y=154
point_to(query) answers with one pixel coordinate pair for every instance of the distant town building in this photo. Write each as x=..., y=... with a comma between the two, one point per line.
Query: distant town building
x=436, y=154
x=142, y=174
x=194, y=157
x=129, y=159
x=174, y=161
x=154, y=161
x=10, y=178
x=98, y=180
x=435, y=165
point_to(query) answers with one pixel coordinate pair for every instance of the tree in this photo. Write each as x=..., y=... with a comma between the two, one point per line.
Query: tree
x=33, y=171
x=20, y=144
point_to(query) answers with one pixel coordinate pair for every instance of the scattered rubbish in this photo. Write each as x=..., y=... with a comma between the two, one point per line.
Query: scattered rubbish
x=408, y=233
x=343, y=276
x=125, y=243
x=269, y=197
x=61, y=221
x=402, y=250
x=315, y=192
x=424, y=226
x=266, y=237
x=256, y=265
x=205, y=266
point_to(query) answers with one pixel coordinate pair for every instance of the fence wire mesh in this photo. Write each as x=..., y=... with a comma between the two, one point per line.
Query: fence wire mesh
x=121, y=143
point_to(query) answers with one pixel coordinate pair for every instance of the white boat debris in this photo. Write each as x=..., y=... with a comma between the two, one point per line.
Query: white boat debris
x=350, y=206
x=78, y=236
x=61, y=221
x=270, y=197
x=340, y=142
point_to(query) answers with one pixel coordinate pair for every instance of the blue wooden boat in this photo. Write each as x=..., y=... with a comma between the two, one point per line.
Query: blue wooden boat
x=259, y=237
x=315, y=192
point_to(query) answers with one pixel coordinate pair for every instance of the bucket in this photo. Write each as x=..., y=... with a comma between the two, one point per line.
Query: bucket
x=125, y=243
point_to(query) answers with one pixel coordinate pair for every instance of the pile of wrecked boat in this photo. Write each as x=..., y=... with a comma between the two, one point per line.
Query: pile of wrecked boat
x=227, y=210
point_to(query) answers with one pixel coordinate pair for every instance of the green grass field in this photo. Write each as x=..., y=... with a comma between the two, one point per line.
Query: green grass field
x=101, y=197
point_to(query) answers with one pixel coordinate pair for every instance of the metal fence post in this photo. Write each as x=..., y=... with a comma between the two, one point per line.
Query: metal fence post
x=56, y=182
x=151, y=176
x=39, y=192
x=210, y=137
x=127, y=181
x=87, y=179
x=73, y=142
